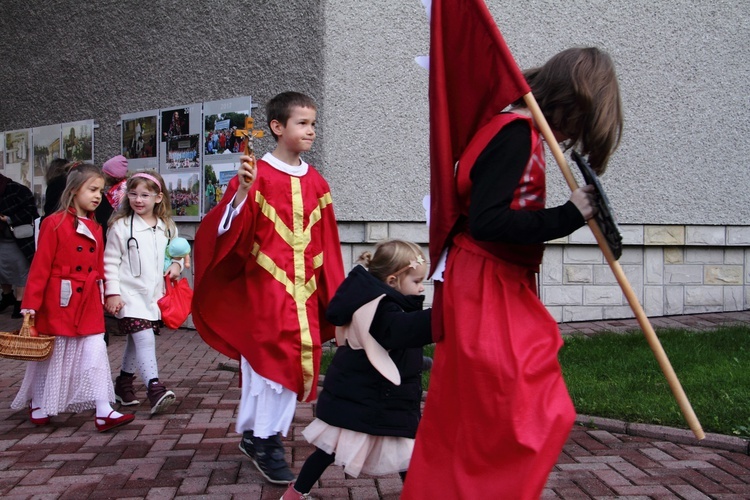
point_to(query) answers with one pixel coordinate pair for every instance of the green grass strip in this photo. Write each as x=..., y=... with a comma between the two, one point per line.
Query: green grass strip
x=615, y=375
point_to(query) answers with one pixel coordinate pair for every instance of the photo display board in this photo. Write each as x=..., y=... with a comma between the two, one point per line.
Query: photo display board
x=78, y=141
x=139, y=140
x=47, y=145
x=17, y=156
x=223, y=142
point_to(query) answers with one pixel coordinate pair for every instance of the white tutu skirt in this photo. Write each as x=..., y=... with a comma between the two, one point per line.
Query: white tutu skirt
x=359, y=452
x=71, y=380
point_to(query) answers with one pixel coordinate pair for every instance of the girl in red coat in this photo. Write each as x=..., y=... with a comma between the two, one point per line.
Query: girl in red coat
x=64, y=293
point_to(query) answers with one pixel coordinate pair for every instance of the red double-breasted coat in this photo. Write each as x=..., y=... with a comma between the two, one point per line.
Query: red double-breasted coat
x=65, y=285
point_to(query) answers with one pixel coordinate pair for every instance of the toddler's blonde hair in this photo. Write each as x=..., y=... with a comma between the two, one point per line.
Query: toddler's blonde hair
x=390, y=257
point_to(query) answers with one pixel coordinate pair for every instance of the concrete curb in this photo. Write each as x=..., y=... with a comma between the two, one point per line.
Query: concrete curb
x=672, y=434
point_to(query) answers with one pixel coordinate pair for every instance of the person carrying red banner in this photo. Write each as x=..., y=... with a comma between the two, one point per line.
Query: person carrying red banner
x=497, y=412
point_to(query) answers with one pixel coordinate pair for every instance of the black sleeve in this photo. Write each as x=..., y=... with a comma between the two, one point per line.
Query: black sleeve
x=395, y=329
x=495, y=176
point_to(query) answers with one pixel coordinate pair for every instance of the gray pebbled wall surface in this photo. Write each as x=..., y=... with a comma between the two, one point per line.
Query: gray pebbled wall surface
x=684, y=69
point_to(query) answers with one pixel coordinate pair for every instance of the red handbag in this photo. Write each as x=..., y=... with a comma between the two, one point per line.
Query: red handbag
x=175, y=305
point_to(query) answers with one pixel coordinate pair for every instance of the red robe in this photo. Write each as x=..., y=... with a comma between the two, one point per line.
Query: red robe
x=497, y=412
x=262, y=288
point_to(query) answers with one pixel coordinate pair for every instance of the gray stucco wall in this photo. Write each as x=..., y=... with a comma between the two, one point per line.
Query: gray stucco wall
x=65, y=60
x=684, y=69
x=683, y=66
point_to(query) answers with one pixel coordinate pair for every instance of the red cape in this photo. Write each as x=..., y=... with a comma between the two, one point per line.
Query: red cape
x=262, y=288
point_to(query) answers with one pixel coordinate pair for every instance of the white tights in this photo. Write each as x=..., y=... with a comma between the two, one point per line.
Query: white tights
x=140, y=354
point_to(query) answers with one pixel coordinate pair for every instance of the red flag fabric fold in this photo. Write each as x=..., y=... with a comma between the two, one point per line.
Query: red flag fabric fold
x=473, y=76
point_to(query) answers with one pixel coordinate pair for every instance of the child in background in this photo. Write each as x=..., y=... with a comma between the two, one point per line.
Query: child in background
x=137, y=240
x=115, y=171
x=64, y=293
x=267, y=262
x=368, y=411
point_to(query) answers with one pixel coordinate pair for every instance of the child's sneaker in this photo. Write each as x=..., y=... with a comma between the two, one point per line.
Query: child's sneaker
x=247, y=449
x=124, y=392
x=269, y=459
x=246, y=445
x=159, y=397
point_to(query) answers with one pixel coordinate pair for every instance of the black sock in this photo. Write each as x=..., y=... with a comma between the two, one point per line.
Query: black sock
x=152, y=381
x=125, y=374
x=314, y=467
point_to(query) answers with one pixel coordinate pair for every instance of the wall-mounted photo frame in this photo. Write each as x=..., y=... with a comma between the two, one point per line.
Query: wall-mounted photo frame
x=46, y=146
x=221, y=122
x=180, y=137
x=216, y=177
x=17, y=156
x=78, y=140
x=185, y=193
x=139, y=140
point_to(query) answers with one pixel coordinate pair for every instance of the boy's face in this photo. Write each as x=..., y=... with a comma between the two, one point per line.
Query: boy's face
x=298, y=134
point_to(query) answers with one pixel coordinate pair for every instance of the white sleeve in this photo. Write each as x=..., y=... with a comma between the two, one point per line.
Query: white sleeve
x=229, y=215
x=113, y=254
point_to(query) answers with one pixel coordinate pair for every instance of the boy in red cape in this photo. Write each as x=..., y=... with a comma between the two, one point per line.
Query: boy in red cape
x=267, y=262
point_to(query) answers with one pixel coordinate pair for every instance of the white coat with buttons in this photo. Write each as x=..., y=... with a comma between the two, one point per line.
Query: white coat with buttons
x=139, y=290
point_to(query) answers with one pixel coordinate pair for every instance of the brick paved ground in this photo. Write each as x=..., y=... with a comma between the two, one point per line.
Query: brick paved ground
x=191, y=451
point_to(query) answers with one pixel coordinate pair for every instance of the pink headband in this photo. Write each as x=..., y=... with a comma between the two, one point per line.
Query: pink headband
x=149, y=177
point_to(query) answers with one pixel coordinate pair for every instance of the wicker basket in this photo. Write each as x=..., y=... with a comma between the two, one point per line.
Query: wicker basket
x=25, y=344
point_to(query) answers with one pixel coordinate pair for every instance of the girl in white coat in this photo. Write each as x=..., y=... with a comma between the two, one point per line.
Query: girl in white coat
x=137, y=239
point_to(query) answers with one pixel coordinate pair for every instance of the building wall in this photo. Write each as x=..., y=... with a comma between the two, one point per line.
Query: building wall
x=684, y=70
x=672, y=270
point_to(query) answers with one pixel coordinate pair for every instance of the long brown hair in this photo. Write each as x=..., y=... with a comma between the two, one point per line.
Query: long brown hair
x=162, y=210
x=578, y=92
x=78, y=175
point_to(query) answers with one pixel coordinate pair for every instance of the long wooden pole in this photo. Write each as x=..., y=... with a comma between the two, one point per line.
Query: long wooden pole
x=635, y=305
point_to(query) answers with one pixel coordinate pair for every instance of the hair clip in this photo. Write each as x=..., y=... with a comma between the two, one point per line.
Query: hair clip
x=413, y=264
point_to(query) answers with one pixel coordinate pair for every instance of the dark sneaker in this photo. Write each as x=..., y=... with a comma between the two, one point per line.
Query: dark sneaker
x=269, y=459
x=246, y=445
x=8, y=299
x=248, y=449
x=159, y=397
x=124, y=392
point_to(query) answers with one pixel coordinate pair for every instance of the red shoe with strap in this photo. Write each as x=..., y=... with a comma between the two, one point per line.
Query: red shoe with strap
x=111, y=423
x=37, y=421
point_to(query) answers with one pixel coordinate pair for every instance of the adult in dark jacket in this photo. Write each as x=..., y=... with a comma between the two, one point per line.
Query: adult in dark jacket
x=17, y=208
x=369, y=409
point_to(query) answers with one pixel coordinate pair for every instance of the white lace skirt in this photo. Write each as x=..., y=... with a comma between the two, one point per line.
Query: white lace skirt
x=71, y=380
x=359, y=452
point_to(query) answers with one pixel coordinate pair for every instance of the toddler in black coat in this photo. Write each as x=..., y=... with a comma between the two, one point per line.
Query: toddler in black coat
x=369, y=409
